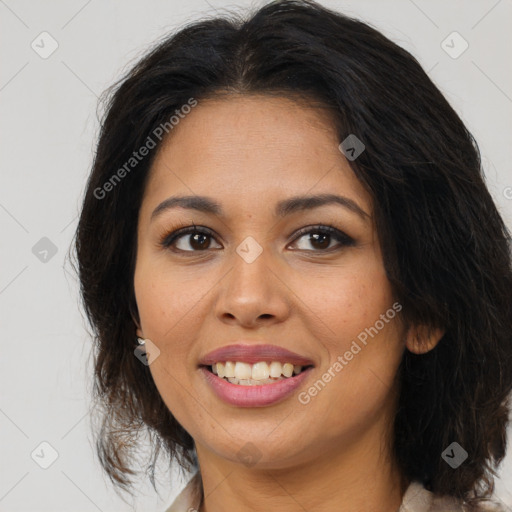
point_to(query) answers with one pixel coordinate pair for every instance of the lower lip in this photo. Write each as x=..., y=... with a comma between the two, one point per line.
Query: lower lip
x=253, y=396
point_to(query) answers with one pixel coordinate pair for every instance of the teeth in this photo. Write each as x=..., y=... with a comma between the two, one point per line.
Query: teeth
x=260, y=373
x=251, y=382
x=242, y=370
x=275, y=369
x=287, y=369
x=229, y=369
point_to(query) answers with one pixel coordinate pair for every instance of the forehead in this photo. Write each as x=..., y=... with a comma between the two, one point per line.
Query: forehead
x=253, y=145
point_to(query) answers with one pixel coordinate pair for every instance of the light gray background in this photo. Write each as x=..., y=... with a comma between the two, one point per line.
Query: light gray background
x=48, y=132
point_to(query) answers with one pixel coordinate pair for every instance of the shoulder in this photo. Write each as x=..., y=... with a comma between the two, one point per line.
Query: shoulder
x=419, y=499
x=416, y=499
x=189, y=498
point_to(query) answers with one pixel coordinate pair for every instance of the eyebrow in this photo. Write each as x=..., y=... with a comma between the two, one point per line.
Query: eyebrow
x=283, y=208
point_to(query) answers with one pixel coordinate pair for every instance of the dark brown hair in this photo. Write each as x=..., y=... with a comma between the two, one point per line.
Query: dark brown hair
x=444, y=244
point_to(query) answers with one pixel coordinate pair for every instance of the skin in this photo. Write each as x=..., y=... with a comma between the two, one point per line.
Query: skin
x=247, y=153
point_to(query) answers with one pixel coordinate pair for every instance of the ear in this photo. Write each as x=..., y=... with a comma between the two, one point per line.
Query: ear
x=421, y=339
x=139, y=334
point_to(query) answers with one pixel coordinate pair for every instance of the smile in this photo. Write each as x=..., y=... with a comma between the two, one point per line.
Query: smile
x=249, y=374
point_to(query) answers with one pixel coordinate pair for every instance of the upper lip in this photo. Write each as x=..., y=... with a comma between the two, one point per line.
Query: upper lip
x=252, y=353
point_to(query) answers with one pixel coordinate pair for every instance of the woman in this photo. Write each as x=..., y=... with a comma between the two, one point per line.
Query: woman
x=298, y=281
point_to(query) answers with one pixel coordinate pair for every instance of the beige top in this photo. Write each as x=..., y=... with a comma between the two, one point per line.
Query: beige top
x=416, y=499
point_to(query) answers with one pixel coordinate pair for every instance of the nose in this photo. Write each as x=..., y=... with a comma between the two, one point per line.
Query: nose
x=252, y=294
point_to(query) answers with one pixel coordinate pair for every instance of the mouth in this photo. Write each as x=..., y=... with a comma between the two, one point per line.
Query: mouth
x=250, y=375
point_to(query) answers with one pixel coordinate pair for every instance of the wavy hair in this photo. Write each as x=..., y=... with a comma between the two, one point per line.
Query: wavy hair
x=445, y=246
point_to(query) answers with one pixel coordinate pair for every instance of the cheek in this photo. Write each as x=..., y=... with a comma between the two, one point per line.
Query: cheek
x=172, y=306
x=354, y=320
x=163, y=313
x=346, y=300
x=169, y=301
x=166, y=314
x=368, y=327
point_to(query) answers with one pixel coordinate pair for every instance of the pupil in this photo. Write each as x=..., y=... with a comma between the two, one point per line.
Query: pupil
x=314, y=238
x=201, y=244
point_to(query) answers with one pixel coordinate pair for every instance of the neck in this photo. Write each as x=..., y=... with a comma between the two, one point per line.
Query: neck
x=359, y=476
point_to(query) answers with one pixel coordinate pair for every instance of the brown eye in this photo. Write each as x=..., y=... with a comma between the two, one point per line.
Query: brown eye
x=196, y=239
x=320, y=238
x=199, y=241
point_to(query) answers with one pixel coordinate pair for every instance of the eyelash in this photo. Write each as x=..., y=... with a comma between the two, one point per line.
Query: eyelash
x=168, y=239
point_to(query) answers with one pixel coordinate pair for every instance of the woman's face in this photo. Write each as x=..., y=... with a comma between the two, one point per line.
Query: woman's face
x=254, y=279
